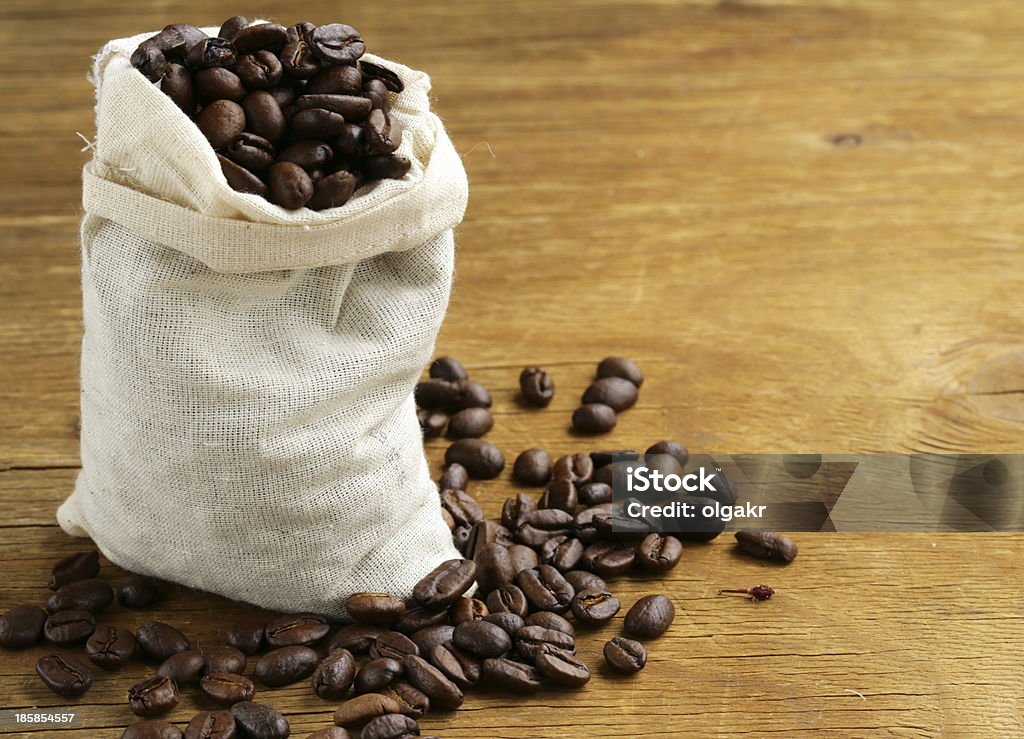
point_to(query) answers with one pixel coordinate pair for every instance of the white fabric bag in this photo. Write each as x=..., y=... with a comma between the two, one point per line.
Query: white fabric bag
x=248, y=425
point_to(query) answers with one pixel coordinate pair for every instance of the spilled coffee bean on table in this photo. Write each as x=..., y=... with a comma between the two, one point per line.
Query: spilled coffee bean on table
x=540, y=568
x=294, y=114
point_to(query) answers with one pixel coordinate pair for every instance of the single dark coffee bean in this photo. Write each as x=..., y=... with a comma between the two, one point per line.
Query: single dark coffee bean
x=177, y=85
x=614, y=392
x=263, y=116
x=345, y=80
x=514, y=677
x=333, y=191
x=260, y=70
x=256, y=721
x=317, y=123
x=283, y=94
x=767, y=545
x=510, y=623
x=536, y=527
x=211, y=725
x=508, y=599
x=336, y=43
x=594, y=493
x=250, y=151
x=211, y=52
x=594, y=607
x=302, y=629
x=377, y=93
x=394, y=645
x=429, y=636
x=530, y=639
x=411, y=700
x=390, y=726
x=495, y=567
x=578, y=468
x=185, y=668
x=432, y=423
x=376, y=674
x=470, y=394
x=672, y=448
x=593, y=418
x=230, y=28
x=455, y=477
x=625, y=655
x=223, y=659
x=330, y=732
x=286, y=665
x=484, y=534
x=362, y=708
x=92, y=595
x=241, y=179
x=374, y=608
x=65, y=675
x=297, y=57
x=69, y=627
x=436, y=394
x=153, y=696
x=418, y=617
x=356, y=638
x=334, y=675
x=481, y=639
x=448, y=368
x=217, y=83
x=481, y=459
x=227, y=687
x=470, y=423
x=74, y=567
x=467, y=609
x=536, y=386
x=443, y=693
x=221, y=121
x=270, y=36
x=561, y=667
x=111, y=648
x=548, y=620
x=21, y=627
x=620, y=367
x=150, y=61
x=650, y=617
x=585, y=525
x=515, y=508
x=290, y=186
x=386, y=167
x=462, y=507
x=532, y=467
x=560, y=494
x=159, y=640
x=246, y=637
x=389, y=79
x=562, y=552
x=353, y=109
x=383, y=133
x=156, y=729
x=659, y=552
x=443, y=585
x=608, y=558
x=583, y=580
x=349, y=143
x=460, y=667
x=138, y=591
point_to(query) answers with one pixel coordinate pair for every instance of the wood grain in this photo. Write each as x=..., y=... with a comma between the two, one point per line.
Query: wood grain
x=801, y=218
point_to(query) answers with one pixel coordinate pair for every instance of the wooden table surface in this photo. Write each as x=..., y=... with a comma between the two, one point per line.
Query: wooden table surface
x=801, y=218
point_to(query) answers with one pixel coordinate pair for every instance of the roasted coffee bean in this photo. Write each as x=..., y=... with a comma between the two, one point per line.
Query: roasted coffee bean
x=250, y=151
x=307, y=154
x=443, y=693
x=481, y=639
x=458, y=666
x=217, y=83
x=331, y=732
x=615, y=525
x=297, y=57
x=350, y=143
x=411, y=700
x=650, y=617
x=583, y=580
x=362, y=708
x=153, y=696
x=443, y=585
x=615, y=474
x=223, y=659
x=241, y=179
x=620, y=367
x=530, y=639
x=85, y=595
x=69, y=627
x=246, y=637
x=150, y=61
x=767, y=545
x=470, y=423
x=593, y=418
x=455, y=477
x=464, y=509
x=614, y=392
x=561, y=667
x=562, y=552
x=376, y=72
x=467, y=609
x=227, y=687
x=585, y=524
x=377, y=673
x=386, y=167
x=334, y=675
x=508, y=599
x=394, y=645
x=514, y=677
x=514, y=508
x=138, y=592
x=230, y=28
x=211, y=52
x=532, y=467
x=609, y=558
x=377, y=93
x=382, y=132
x=351, y=107
x=536, y=527
x=286, y=665
x=436, y=394
x=594, y=493
x=594, y=607
x=177, y=85
x=336, y=43
x=510, y=623
x=560, y=494
x=221, y=121
x=345, y=80
x=270, y=36
x=429, y=636
x=65, y=675
x=301, y=629
x=159, y=640
x=579, y=468
x=536, y=386
x=432, y=423
x=289, y=185
x=418, y=617
x=470, y=394
x=333, y=191
x=484, y=534
x=185, y=668
x=495, y=567
x=21, y=627
x=263, y=115
x=356, y=638
x=548, y=620
x=283, y=94
x=156, y=729
x=256, y=721
x=390, y=726
x=447, y=368
x=317, y=123
x=672, y=448
x=625, y=655
x=260, y=70
x=659, y=552
x=74, y=567
x=375, y=608
x=211, y=725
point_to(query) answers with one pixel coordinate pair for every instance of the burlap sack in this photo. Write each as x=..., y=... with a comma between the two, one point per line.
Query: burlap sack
x=248, y=425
